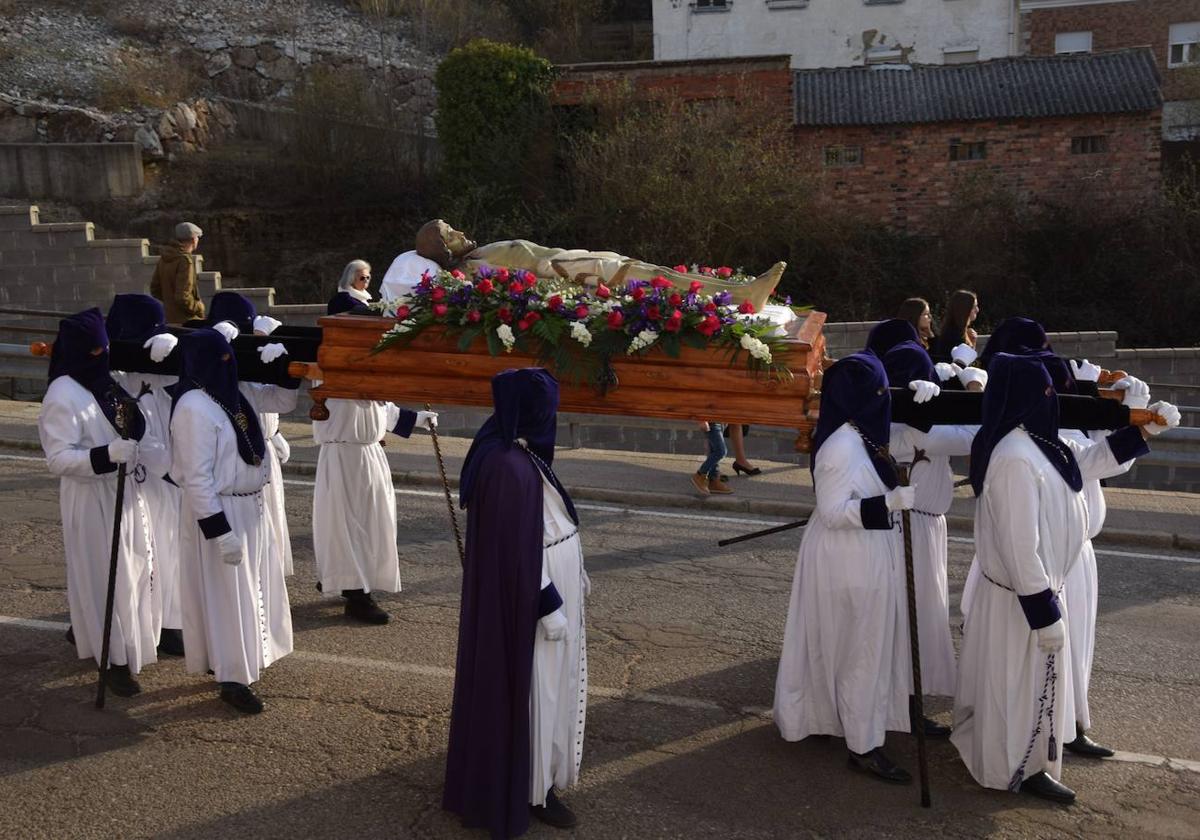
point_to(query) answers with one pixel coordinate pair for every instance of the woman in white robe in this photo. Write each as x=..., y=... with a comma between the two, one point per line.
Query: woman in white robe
x=845, y=667
x=278, y=453
x=1015, y=696
x=83, y=448
x=236, y=614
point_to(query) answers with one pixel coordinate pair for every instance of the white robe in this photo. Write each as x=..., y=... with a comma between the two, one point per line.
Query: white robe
x=404, y=274
x=273, y=497
x=354, y=500
x=162, y=498
x=934, y=483
x=1029, y=531
x=236, y=619
x=558, y=695
x=70, y=424
x=845, y=666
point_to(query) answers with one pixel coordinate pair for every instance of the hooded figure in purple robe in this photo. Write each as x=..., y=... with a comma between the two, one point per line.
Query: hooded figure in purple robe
x=233, y=307
x=887, y=334
x=488, y=765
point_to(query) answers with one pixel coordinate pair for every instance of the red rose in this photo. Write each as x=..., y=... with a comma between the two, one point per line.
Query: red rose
x=746, y=308
x=485, y=287
x=458, y=275
x=581, y=312
x=523, y=324
x=615, y=319
x=529, y=279
x=675, y=299
x=502, y=275
x=473, y=317
x=695, y=287
x=724, y=272
x=652, y=312
x=674, y=322
x=709, y=325
x=602, y=292
x=706, y=269
x=402, y=312
x=532, y=317
x=638, y=293
x=440, y=310
x=710, y=307
x=555, y=302
x=504, y=314
x=439, y=293
x=660, y=282
x=682, y=269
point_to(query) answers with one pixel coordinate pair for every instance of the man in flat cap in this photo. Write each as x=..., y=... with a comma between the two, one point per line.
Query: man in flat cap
x=174, y=281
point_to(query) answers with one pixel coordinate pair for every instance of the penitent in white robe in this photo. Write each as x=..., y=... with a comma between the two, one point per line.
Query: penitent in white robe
x=162, y=498
x=845, y=666
x=1081, y=589
x=354, y=500
x=1029, y=532
x=236, y=619
x=273, y=497
x=558, y=694
x=70, y=425
x=934, y=483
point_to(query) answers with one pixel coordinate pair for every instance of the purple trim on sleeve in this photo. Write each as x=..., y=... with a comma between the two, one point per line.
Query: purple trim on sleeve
x=101, y=463
x=1041, y=609
x=874, y=514
x=214, y=526
x=407, y=422
x=548, y=601
x=1127, y=444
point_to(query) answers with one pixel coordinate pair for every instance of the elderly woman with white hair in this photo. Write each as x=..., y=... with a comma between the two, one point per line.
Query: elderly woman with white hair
x=352, y=295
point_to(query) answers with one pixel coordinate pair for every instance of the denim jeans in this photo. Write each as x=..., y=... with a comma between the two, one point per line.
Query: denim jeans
x=716, y=451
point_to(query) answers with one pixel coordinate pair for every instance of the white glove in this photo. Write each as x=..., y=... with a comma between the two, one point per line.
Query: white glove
x=265, y=325
x=122, y=451
x=945, y=371
x=1085, y=371
x=900, y=498
x=160, y=346
x=425, y=419
x=1137, y=392
x=230, y=547
x=587, y=583
x=969, y=376
x=270, y=352
x=1050, y=639
x=554, y=626
x=964, y=354
x=1164, y=410
x=925, y=391
x=227, y=329
x=283, y=449
x=154, y=457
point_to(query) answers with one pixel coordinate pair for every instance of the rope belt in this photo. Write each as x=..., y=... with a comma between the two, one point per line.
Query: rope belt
x=242, y=495
x=561, y=539
x=997, y=583
x=926, y=513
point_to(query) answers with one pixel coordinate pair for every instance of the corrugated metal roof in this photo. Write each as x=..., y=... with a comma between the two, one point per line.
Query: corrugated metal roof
x=1029, y=86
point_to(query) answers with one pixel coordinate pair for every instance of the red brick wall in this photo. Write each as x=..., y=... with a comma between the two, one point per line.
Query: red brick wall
x=1141, y=23
x=906, y=175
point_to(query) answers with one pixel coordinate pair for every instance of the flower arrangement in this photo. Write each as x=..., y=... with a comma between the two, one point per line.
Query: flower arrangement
x=576, y=330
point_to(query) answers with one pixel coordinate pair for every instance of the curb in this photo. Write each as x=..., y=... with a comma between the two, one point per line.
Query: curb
x=752, y=507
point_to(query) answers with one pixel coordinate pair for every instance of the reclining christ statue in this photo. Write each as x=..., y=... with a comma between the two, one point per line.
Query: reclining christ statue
x=440, y=246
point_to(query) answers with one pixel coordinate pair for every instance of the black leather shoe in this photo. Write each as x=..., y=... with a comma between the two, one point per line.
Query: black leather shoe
x=1044, y=787
x=170, y=642
x=120, y=682
x=70, y=635
x=241, y=698
x=933, y=729
x=362, y=607
x=554, y=812
x=739, y=469
x=1085, y=746
x=876, y=764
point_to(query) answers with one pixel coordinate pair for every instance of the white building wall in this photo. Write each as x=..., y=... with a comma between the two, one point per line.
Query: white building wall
x=835, y=33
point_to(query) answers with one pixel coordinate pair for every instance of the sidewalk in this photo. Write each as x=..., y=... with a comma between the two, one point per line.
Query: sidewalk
x=642, y=479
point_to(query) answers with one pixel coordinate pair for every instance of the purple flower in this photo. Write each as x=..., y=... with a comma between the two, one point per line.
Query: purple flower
x=485, y=271
x=722, y=298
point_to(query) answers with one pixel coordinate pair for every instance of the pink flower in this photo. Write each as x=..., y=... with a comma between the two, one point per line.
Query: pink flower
x=581, y=312
x=695, y=287
x=458, y=275
x=706, y=269
x=473, y=316
x=529, y=279
x=660, y=282
x=675, y=299
x=615, y=319
x=439, y=310
x=555, y=302
x=485, y=287
x=523, y=324
x=710, y=307
x=532, y=317
x=638, y=293
x=402, y=312
x=426, y=279
x=652, y=312
x=746, y=308
x=502, y=275
x=724, y=272
x=603, y=292
x=682, y=269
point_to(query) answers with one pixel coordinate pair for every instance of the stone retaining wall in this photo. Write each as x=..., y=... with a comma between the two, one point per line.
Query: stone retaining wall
x=71, y=171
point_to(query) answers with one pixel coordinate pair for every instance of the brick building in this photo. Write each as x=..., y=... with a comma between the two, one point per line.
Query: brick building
x=896, y=142
x=1170, y=28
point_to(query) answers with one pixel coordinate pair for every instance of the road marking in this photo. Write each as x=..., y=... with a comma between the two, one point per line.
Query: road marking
x=599, y=692
x=1112, y=552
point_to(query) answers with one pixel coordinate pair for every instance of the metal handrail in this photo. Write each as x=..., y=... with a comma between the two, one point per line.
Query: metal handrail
x=34, y=313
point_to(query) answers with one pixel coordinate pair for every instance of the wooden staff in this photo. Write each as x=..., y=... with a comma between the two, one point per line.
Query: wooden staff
x=437, y=451
x=763, y=533
x=917, y=701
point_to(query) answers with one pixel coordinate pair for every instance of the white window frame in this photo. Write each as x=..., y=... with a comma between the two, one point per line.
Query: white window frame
x=961, y=49
x=780, y=5
x=1061, y=36
x=1186, y=35
x=884, y=55
x=708, y=8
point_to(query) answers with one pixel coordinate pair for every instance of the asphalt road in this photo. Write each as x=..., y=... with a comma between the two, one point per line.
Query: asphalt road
x=683, y=644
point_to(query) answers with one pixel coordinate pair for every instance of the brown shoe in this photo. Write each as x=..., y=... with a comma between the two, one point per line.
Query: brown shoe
x=700, y=482
x=719, y=486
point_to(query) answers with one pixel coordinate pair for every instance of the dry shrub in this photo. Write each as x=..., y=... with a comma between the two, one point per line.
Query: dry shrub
x=144, y=81
x=141, y=27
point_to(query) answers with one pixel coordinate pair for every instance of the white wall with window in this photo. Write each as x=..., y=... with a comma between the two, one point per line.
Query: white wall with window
x=1184, y=45
x=836, y=33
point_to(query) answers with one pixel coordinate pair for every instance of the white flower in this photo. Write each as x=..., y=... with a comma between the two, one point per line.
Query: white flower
x=580, y=333
x=401, y=327
x=505, y=334
x=641, y=341
x=758, y=349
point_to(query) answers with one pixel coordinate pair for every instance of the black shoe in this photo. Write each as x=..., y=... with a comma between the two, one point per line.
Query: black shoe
x=70, y=635
x=362, y=607
x=739, y=469
x=120, y=682
x=241, y=698
x=170, y=642
x=554, y=812
x=1044, y=787
x=1085, y=746
x=933, y=729
x=319, y=589
x=876, y=764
